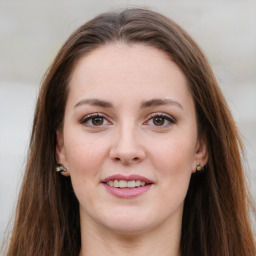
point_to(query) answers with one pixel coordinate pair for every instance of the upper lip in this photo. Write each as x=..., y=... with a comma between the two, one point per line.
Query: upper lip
x=127, y=178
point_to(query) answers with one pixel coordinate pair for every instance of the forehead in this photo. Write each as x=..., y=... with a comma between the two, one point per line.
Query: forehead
x=127, y=71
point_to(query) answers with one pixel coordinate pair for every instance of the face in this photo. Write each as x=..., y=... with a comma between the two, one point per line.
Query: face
x=129, y=140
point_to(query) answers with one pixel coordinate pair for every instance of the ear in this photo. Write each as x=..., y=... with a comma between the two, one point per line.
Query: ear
x=60, y=152
x=201, y=153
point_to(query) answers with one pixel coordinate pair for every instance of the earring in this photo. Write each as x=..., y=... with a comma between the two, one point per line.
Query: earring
x=199, y=167
x=60, y=168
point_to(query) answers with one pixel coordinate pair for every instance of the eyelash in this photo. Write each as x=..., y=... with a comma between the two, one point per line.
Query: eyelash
x=166, y=118
x=89, y=118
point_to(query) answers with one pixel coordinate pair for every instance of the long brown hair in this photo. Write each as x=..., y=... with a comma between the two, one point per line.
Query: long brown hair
x=215, y=218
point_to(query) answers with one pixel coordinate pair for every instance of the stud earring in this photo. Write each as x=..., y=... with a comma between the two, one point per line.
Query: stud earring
x=60, y=168
x=199, y=167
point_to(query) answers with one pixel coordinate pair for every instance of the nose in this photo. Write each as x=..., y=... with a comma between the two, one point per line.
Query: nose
x=126, y=147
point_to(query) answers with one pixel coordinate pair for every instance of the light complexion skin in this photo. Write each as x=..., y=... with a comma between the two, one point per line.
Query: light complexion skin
x=129, y=113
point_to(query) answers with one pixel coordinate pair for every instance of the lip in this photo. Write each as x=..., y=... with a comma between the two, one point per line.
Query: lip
x=127, y=192
x=127, y=178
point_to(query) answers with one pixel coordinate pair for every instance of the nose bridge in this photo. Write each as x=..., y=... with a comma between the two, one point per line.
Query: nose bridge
x=127, y=137
x=126, y=146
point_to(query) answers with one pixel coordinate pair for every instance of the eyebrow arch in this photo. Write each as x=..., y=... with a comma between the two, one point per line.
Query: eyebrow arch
x=160, y=102
x=94, y=102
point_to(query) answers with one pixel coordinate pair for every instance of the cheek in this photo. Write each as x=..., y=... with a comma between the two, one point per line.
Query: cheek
x=84, y=155
x=174, y=156
x=85, y=159
x=173, y=162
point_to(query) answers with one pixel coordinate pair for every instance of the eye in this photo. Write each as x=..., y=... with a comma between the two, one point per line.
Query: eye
x=95, y=120
x=160, y=120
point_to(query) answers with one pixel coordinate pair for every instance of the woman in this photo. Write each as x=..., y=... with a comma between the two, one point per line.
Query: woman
x=146, y=152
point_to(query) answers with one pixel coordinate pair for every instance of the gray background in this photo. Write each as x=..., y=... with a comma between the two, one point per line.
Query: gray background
x=32, y=32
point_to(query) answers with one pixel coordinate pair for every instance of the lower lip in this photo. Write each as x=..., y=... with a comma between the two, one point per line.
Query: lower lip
x=127, y=192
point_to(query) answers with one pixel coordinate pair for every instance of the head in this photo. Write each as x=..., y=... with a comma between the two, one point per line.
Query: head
x=206, y=202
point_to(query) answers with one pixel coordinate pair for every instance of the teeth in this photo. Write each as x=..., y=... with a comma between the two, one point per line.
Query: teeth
x=126, y=184
x=131, y=184
x=123, y=184
x=137, y=183
x=116, y=184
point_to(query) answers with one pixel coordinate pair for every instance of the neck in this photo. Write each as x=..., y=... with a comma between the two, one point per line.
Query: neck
x=163, y=240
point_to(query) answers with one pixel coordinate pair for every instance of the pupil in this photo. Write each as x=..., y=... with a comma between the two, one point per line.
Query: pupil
x=158, y=121
x=97, y=121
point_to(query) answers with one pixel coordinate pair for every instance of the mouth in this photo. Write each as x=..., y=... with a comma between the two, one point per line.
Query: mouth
x=127, y=186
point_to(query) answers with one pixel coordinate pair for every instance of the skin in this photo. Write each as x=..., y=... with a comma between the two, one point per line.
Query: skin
x=129, y=139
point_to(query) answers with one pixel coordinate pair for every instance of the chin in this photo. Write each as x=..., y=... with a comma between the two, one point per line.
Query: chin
x=128, y=222
x=128, y=228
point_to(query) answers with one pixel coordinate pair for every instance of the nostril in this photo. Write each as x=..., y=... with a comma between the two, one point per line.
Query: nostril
x=126, y=155
x=117, y=159
x=126, y=160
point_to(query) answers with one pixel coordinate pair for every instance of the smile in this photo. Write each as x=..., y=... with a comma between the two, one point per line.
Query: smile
x=126, y=184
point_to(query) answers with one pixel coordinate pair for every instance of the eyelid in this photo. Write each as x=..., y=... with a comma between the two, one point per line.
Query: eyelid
x=161, y=114
x=88, y=117
x=167, y=117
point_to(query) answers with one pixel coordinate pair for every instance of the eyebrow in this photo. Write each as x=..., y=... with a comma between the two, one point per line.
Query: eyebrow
x=94, y=102
x=144, y=104
x=160, y=102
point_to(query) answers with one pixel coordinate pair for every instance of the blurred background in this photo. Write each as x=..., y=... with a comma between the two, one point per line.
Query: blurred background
x=31, y=33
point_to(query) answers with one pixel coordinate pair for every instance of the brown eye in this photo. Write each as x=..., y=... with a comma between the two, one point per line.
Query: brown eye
x=158, y=120
x=97, y=120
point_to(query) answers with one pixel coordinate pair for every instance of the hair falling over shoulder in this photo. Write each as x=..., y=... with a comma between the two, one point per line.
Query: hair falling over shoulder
x=217, y=206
